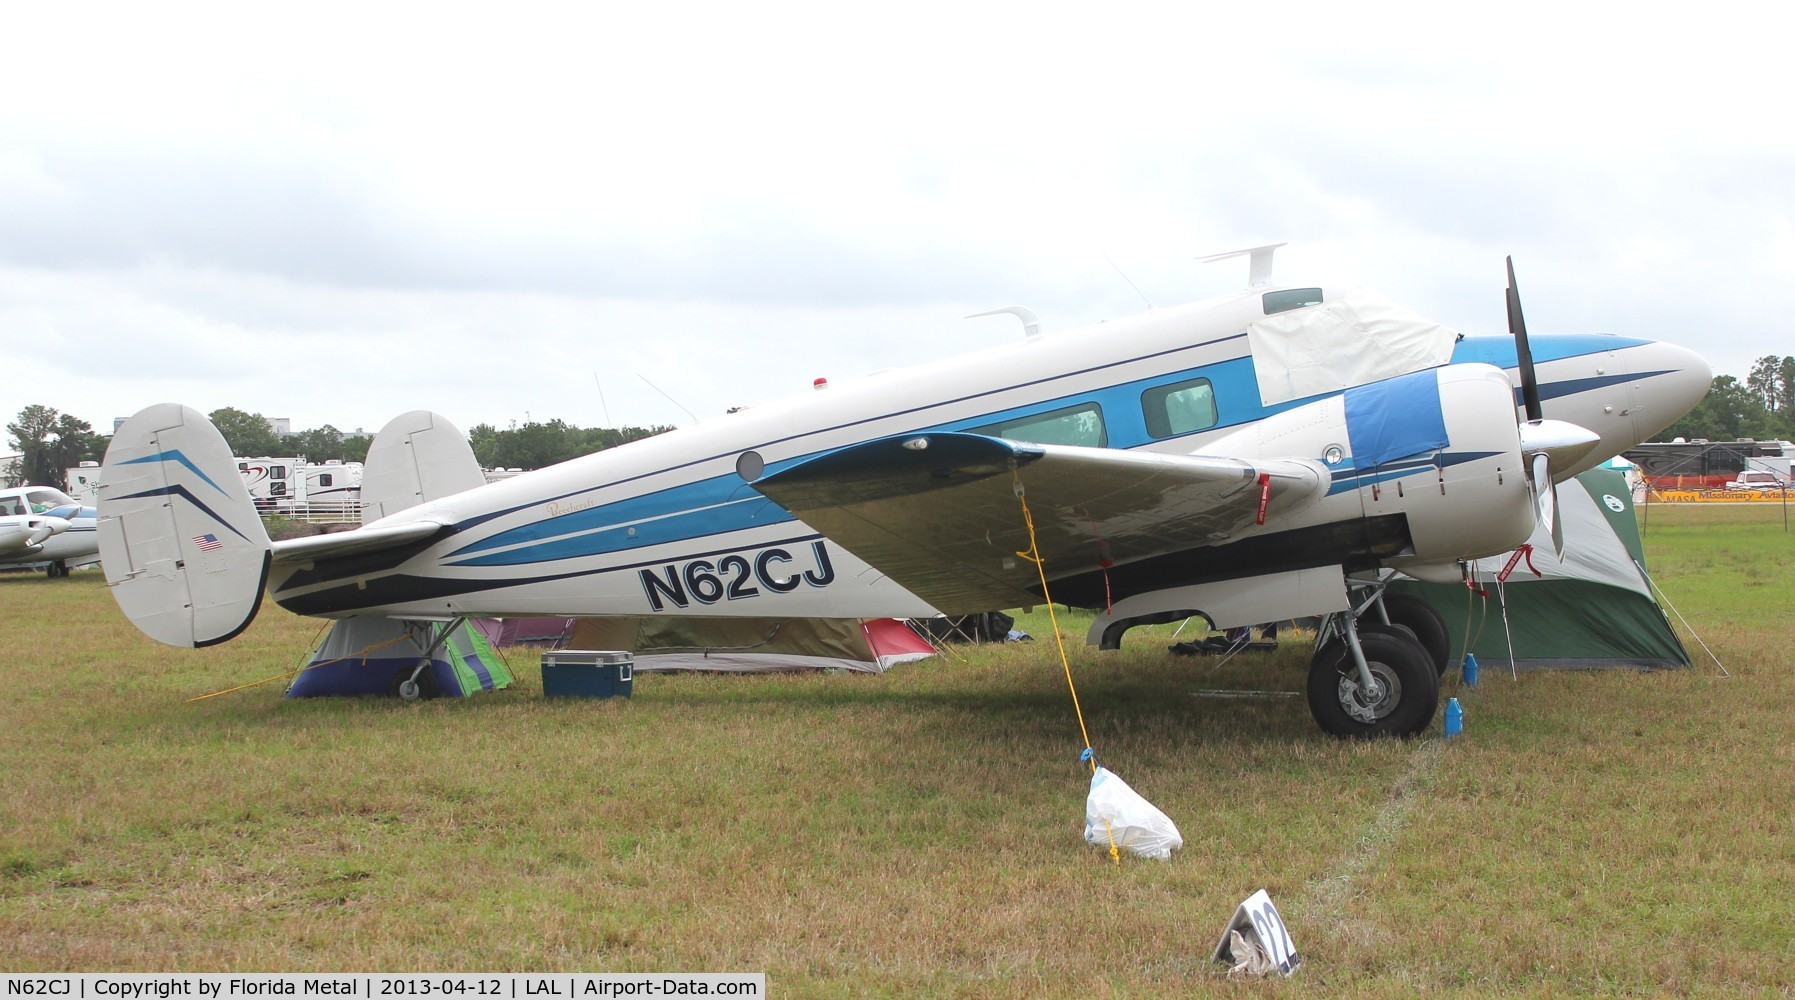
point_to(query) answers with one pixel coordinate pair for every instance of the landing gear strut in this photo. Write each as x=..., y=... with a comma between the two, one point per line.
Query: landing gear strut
x=417, y=683
x=1372, y=679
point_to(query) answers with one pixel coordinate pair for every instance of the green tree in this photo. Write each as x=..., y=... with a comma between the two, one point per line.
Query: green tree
x=1767, y=383
x=321, y=444
x=485, y=440
x=355, y=448
x=50, y=442
x=248, y=434
x=1730, y=410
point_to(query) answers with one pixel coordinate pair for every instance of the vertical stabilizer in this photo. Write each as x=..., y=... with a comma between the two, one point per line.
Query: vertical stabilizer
x=183, y=547
x=418, y=456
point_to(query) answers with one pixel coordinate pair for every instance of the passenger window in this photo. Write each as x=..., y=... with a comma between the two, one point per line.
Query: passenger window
x=1076, y=425
x=1290, y=298
x=1179, y=408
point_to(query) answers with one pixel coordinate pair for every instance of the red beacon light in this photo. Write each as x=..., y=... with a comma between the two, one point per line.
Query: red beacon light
x=821, y=383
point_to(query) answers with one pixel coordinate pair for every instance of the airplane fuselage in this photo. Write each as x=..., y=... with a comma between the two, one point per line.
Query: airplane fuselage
x=671, y=524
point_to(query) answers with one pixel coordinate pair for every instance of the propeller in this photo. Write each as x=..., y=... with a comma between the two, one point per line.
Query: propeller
x=1547, y=444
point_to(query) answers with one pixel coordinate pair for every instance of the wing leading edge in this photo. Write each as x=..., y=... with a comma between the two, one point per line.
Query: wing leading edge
x=940, y=514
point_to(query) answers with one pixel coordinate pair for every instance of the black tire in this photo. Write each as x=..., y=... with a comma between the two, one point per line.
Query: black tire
x=1424, y=623
x=1397, y=660
x=427, y=688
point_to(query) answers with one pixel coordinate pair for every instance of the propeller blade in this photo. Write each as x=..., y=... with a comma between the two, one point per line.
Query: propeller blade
x=1545, y=496
x=1517, y=325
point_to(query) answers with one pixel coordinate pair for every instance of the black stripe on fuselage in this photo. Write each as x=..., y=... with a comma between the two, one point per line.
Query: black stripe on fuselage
x=384, y=591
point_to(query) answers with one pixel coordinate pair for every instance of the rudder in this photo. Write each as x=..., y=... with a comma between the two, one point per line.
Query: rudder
x=184, y=550
x=417, y=457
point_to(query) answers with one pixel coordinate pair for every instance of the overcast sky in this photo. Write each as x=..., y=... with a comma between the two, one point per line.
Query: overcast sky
x=339, y=213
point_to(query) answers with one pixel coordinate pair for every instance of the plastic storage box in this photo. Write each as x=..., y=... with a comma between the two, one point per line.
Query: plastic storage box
x=587, y=673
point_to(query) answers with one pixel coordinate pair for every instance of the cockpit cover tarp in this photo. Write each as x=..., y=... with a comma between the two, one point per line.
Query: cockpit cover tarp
x=1352, y=340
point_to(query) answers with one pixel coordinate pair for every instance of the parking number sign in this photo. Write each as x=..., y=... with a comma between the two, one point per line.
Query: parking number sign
x=1258, y=915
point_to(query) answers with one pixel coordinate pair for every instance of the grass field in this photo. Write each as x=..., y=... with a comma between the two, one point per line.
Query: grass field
x=917, y=832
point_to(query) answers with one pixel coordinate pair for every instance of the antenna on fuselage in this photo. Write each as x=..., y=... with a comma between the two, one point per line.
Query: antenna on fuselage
x=1125, y=277
x=670, y=399
x=1030, y=325
x=601, y=398
x=1258, y=262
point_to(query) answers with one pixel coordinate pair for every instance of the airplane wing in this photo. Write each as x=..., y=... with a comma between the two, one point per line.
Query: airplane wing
x=939, y=513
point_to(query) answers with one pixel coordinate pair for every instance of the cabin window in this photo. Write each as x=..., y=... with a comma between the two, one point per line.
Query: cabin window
x=324, y=479
x=1179, y=408
x=1076, y=425
x=44, y=498
x=277, y=472
x=1291, y=298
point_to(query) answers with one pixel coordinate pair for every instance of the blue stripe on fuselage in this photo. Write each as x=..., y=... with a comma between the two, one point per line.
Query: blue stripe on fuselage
x=723, y=504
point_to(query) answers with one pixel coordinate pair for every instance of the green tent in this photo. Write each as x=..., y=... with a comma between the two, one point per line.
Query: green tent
x=1591, y=608
x=372, y=655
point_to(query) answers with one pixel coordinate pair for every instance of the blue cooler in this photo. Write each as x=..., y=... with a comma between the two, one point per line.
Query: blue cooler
x=587, y=673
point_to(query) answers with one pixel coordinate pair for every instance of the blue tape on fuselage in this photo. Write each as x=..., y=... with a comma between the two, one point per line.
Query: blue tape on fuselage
x=1395, y=418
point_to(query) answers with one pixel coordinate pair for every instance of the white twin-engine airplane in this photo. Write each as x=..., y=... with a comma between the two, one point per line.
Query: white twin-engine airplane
x=43, y=526
x=1253, y=457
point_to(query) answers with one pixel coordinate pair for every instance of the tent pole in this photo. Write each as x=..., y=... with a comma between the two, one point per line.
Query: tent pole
x=1502, y=597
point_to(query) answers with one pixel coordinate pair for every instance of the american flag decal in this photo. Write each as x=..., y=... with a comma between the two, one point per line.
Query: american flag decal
x=207, y=542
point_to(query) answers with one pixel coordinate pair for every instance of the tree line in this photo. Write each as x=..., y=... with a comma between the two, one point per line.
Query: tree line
x=1761, y=407
x=50, y=442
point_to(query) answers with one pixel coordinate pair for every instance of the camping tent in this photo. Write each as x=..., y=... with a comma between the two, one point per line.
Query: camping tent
x=371, y=655
x=549, y=633
x=870, y=645
x=1591, y=608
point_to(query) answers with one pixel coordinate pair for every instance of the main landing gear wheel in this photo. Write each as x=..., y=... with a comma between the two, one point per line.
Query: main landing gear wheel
x=1423, y=622
x=421, y=689
x=56, y=570
x=1405, y=686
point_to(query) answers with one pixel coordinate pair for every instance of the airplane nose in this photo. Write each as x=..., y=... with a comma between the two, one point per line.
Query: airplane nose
x=1679, y=379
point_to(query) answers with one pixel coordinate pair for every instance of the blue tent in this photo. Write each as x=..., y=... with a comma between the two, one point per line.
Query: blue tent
x=375, y=655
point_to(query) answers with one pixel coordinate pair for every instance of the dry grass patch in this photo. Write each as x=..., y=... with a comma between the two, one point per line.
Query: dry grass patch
x=915, y=832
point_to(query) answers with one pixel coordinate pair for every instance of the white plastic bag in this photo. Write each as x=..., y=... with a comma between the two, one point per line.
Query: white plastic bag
x=1135, y=824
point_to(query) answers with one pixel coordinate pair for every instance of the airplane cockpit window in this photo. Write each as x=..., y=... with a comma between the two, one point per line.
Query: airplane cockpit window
x=1287, y=299
x=67, y=511
x=1179, y=408
x=1076, y=425
x=44, y=498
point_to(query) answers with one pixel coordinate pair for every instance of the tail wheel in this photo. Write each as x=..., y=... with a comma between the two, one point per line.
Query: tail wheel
x=1424, y=623
x=422, y=689
x=1403, y=700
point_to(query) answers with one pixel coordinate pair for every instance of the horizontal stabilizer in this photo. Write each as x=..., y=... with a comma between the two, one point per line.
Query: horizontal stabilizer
x=344, y=543
x=417, y=457
x=183, y=547
x=939, y=514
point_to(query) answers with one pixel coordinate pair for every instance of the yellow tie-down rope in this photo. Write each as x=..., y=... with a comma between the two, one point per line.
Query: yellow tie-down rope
x=324, y=663
x=1033, y=555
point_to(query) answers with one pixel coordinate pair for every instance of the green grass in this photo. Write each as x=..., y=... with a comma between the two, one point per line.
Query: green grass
x=917, y=832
